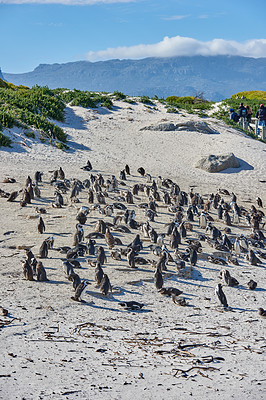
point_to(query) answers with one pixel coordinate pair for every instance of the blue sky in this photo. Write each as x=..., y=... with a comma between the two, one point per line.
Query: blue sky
x=34, y=32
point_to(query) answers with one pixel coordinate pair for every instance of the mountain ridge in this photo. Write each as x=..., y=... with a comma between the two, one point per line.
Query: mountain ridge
x=217, y=77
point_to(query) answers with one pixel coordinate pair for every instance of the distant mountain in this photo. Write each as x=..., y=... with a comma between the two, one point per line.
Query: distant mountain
x=1, y=75
x=218, y=77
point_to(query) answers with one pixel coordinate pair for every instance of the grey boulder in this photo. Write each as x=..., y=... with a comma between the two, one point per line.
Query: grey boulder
x=192, y=126
x=216, y=163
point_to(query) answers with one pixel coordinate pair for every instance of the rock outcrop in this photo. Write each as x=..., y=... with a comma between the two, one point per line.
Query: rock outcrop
x=192, y=126
x=216, y=163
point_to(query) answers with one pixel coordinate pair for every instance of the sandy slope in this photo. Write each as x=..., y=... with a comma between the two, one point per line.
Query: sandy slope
x=57, y=348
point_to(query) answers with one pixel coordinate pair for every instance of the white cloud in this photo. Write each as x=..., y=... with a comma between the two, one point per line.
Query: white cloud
x=65, y=2
x=176, y=17
x=183, y=46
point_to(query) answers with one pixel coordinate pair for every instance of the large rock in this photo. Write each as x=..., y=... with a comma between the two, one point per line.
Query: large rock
x=216, y=163
x=192, y=126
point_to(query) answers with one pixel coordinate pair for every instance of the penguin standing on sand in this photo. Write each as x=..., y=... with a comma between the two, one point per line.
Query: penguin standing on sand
x=79, y=291
x=41, y=225
x=220, y=294
x=27, y=271
x=105, y=285
x=98, y=273
x=41, y=273
x=44, y=249
x=158, y=279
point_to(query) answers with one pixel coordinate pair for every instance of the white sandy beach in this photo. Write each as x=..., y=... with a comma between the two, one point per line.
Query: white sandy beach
x=55, y=348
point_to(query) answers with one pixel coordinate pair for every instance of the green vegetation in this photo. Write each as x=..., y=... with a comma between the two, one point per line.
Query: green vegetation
x=5, y=141
x=119, y=95
x=251, y=95
x=192, y=105
x=26, y=107
x=84, y=98
x=146, y=100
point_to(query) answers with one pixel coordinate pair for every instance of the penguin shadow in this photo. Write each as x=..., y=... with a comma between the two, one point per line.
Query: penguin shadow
x=243, y=166
x=123, y=292
x=241, y=287
x=197, y=276
x=209, y=268
x=188, y=282
x=241, y=309
x=116, y=309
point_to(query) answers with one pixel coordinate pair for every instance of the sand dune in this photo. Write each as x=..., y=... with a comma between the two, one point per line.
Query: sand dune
x=53, y=347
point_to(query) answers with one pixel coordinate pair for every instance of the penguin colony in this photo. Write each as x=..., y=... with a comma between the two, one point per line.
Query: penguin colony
x=116, y=210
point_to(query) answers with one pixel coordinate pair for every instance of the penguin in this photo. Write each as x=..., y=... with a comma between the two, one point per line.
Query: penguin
x=79, y=291
x=91, y=247
x=252, y=284
x=26, y=197
x=109, y=238
x=37, y=192
x=170, y=291
x=131, y=305
x=262, y=312
x=50, y=242
x=59, y=201
x=193, y=257
x=175, y=238
x=28, y=181
x=122, y=175
x=141, y=171
x=259, y=202
x=87, y=167
x=67, y=267
x=179, y=300
x=136, y=244
x=98, y=273
x=131, y=257
x=81, y=217
x=30, y=191
x=127, y=169
x=253, y=259
x=74, y=263
x=100, y=226
x=158, y=279
x=228, y=279
x=203, y=220
x=161, y=264
x=221, y=296
x=237, y=247
x=105, y=285
x=44, y=249
x=129, y=197
x=41, y=225
x=116, y=255
x=101, y=257
x=90, y=196
x=13, y=196
x=61, y=174
x=227, y=218
x=75, y=279
x=41, y=273
x=38, y=176
x=27, y=271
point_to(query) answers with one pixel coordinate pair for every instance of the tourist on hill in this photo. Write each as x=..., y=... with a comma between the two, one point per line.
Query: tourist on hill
x=261, y=115
x=233, y=115
x=242, y=111
x=249, y=113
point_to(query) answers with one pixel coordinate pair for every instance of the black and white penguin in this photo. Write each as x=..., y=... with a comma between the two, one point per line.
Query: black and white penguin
x=220, y=294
